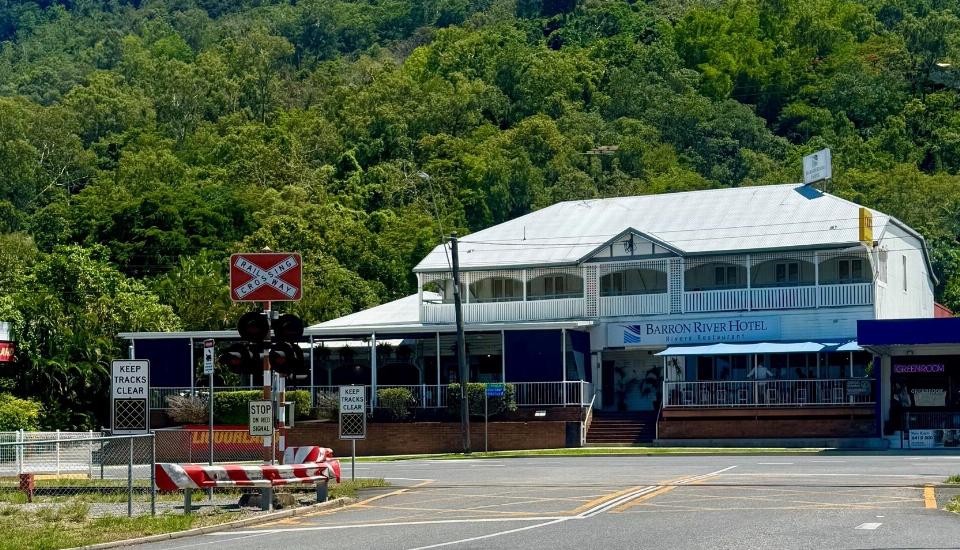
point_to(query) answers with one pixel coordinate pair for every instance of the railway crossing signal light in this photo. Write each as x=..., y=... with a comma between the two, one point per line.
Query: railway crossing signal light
x=253, y=327
x=283, y=350
x=241, y=358
x=286, y=357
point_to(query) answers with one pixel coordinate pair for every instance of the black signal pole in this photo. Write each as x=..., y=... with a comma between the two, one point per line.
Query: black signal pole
x=461, y=348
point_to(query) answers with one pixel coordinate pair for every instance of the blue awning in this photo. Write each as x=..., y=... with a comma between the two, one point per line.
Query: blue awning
x=740, y=349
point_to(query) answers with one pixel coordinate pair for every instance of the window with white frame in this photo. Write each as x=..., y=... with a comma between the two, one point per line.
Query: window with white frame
x=725, y=276
x=553, y=285
x=502, y=289
x=850, y=270
x=787, y=273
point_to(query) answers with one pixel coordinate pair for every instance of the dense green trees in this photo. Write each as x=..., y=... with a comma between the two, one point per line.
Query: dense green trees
x=141, y=142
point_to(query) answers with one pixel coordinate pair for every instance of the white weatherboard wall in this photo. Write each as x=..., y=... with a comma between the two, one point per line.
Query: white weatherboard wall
x=892, y=301
x=820, y=325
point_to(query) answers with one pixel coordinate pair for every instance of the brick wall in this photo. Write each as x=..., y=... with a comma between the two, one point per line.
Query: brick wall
x=432, y=437
x=766, y=427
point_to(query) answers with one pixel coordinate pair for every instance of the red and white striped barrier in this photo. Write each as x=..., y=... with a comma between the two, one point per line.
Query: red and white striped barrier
x=319, y=466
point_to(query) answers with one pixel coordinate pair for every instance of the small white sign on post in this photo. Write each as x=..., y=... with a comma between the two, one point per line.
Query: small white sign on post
x=353, y=412
x=261, y=418
x=129, y=395
x=208, y=347
x=817, y=167
x=130, y=379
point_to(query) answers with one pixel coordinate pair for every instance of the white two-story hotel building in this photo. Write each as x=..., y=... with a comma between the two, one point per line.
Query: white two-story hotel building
x=728, y=313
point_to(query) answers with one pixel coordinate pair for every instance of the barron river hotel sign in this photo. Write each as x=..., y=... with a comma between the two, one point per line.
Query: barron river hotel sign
x=694, y=331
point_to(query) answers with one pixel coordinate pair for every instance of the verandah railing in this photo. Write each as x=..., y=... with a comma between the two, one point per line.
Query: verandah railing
x=527, y=394
x=769, y=393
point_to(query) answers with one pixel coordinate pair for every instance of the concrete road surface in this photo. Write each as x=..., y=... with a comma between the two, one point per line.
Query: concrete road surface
x=742, y=502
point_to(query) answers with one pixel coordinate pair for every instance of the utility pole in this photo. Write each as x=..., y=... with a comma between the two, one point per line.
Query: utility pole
x=461, y=348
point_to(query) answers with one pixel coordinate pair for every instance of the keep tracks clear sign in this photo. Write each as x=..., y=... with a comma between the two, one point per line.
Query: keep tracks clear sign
x=353, y=412
x=129, y=394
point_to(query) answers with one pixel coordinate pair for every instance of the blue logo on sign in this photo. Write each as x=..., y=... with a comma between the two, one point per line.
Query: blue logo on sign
x=632, y=334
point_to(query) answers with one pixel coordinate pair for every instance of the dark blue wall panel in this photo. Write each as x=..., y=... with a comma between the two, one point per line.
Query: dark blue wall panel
x=169, y=361
x=533, y=356
x=905, y=332
x=580, y=342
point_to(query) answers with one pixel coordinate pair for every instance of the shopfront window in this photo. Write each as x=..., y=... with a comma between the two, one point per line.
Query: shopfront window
x=862, y=364
x=925, y=383
x=835, y=365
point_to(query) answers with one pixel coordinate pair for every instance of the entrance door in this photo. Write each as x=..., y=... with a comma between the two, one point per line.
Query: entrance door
x=607, y=374
x=637, y=380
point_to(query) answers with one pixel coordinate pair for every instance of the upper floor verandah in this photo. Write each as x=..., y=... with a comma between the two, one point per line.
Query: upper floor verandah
x=654, y=286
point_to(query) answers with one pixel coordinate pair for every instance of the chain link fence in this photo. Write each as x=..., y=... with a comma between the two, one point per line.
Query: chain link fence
x=102, y=475
x=105, y=475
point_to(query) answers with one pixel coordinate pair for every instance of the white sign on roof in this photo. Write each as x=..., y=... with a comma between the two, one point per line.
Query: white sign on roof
x=817, y=167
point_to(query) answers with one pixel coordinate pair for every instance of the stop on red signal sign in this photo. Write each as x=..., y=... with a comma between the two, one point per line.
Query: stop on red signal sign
x=266, y=277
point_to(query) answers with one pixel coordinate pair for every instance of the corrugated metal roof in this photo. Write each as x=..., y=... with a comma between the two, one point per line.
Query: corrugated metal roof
x=402, y=317
x=404, y=311
x=766, y=217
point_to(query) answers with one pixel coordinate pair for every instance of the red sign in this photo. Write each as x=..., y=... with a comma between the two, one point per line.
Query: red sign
x=6, y=352
x=266, y=277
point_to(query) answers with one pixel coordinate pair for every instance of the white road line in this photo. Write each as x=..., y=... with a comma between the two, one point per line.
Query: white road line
x=604, y=506
x=868, y=526
x=385, y=524
x=545, y=520
x=704, y=476
x=244, y=535
x=491, y=535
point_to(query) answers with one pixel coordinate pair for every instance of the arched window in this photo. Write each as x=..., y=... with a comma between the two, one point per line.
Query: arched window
x=841, y=270
x=496, y=289
x=443, y=287
x=633, y=281
x=715, y=276
x=782, y=272
x=552, y=286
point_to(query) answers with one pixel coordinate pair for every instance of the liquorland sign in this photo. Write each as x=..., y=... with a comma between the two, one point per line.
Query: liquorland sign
x=694, y=331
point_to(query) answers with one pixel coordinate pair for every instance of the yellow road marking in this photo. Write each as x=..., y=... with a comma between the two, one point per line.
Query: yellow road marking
x=605, y=498
x=643, y=498
x=360, y=504
x=929, y=497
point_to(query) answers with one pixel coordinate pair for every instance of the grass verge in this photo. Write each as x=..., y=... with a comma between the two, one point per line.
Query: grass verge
x=347, y=488
x=953, y=505
x=604, y=451
x=69, y=526
x=954, y=479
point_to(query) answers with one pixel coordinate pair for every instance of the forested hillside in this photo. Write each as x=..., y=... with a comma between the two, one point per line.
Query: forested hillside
x=143, y=141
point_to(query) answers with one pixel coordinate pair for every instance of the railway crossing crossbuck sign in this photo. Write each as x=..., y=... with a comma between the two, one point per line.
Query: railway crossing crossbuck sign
x=266, y=277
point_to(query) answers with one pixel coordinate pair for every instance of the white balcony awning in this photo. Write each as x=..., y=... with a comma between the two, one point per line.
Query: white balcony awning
x=741, y=349
x=850, y=346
